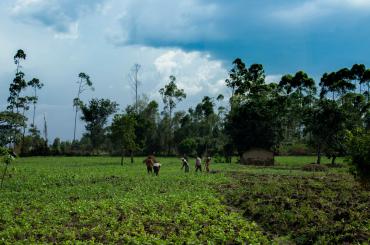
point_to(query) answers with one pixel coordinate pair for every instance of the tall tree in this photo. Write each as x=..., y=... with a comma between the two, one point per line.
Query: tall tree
x=135, y=83
x=366, y=80
x=20, y=55
x=254, y=119
x=35, y=84
x=84, y=83
x=96, y=114
x=171, y=96
x=358, y=71
x=326, y=123
x=337, y=83
x=146, y=116
x=45, y=131
x=298, y=93
x=16, y=101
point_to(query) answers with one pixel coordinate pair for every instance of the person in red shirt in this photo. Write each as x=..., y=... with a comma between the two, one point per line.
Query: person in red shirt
x=149, y=164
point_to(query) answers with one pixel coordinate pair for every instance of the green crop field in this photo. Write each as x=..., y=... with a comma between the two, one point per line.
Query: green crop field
x=95, y=200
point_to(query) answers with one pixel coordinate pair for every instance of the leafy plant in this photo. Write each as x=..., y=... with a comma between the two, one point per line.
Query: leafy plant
x=7, y=159
x=358, y=145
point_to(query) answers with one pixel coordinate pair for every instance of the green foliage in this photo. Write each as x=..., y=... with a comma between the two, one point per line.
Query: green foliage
x=358, y=145
x=171, y=96
x=337, y=83
x=203, y=126
x=10, y=127
x=34, y=144
x=326, y=123
x=188, y=146
x=96, y=114
x=300, y=83
x=254, y=119
x=243, y=80
x=35, y=84
x=123, y=133
x=84, y=83
x=295, y=149
x=146, y=116
x=7, y=159
x=92, y=200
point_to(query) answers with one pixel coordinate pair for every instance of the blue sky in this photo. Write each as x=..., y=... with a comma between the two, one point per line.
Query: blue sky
x=196, y=40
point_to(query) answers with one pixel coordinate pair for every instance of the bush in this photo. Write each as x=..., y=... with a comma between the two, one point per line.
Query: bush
x=187, y=146
x=358, y=147
x=219, y=159
x=297, y=149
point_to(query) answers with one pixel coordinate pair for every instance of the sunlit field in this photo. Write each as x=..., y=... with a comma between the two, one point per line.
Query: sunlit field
x=95, y=199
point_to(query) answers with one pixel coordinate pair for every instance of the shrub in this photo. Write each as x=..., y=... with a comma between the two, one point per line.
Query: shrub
x=358, y=147
x=297, y=149
x=187, y=146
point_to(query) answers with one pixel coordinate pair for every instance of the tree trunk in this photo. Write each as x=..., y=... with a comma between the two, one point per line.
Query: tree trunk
x=333, y=157
x=23, y=135
x=34, y=109
x=122, y=154
x=74, y=130
x=318, y=153
x=34, y=113
x=170, y=134
x=132, y=156
x=78, y=97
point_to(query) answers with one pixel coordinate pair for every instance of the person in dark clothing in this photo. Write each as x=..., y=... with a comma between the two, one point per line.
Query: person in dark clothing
x=156, y=168
x=208, y=162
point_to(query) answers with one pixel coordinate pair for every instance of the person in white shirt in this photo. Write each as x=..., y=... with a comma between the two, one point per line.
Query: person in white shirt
x=156, y=168
x=185, y=165
x=198, y=164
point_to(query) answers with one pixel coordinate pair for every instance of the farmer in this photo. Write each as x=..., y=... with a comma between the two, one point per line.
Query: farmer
x=149, y=164
x=198, y=164
x=208, y=162
x=156, y=168
x=185, y=164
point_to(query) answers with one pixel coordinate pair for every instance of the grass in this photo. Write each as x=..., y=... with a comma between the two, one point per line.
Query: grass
x=95, y=200
x=296, y=162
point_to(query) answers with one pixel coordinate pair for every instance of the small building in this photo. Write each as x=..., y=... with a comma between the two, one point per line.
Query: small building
x=258, y=157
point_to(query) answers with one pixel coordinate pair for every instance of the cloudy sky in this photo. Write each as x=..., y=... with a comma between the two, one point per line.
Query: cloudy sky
x=195, y=40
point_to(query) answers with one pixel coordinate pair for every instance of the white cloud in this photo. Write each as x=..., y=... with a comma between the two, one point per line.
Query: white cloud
x=196, y=72
x=273, y=78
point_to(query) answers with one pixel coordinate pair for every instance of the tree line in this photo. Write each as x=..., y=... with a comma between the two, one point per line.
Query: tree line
x=326, y=118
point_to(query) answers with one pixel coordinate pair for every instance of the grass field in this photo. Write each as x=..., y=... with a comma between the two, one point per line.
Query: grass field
x=95, y=200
